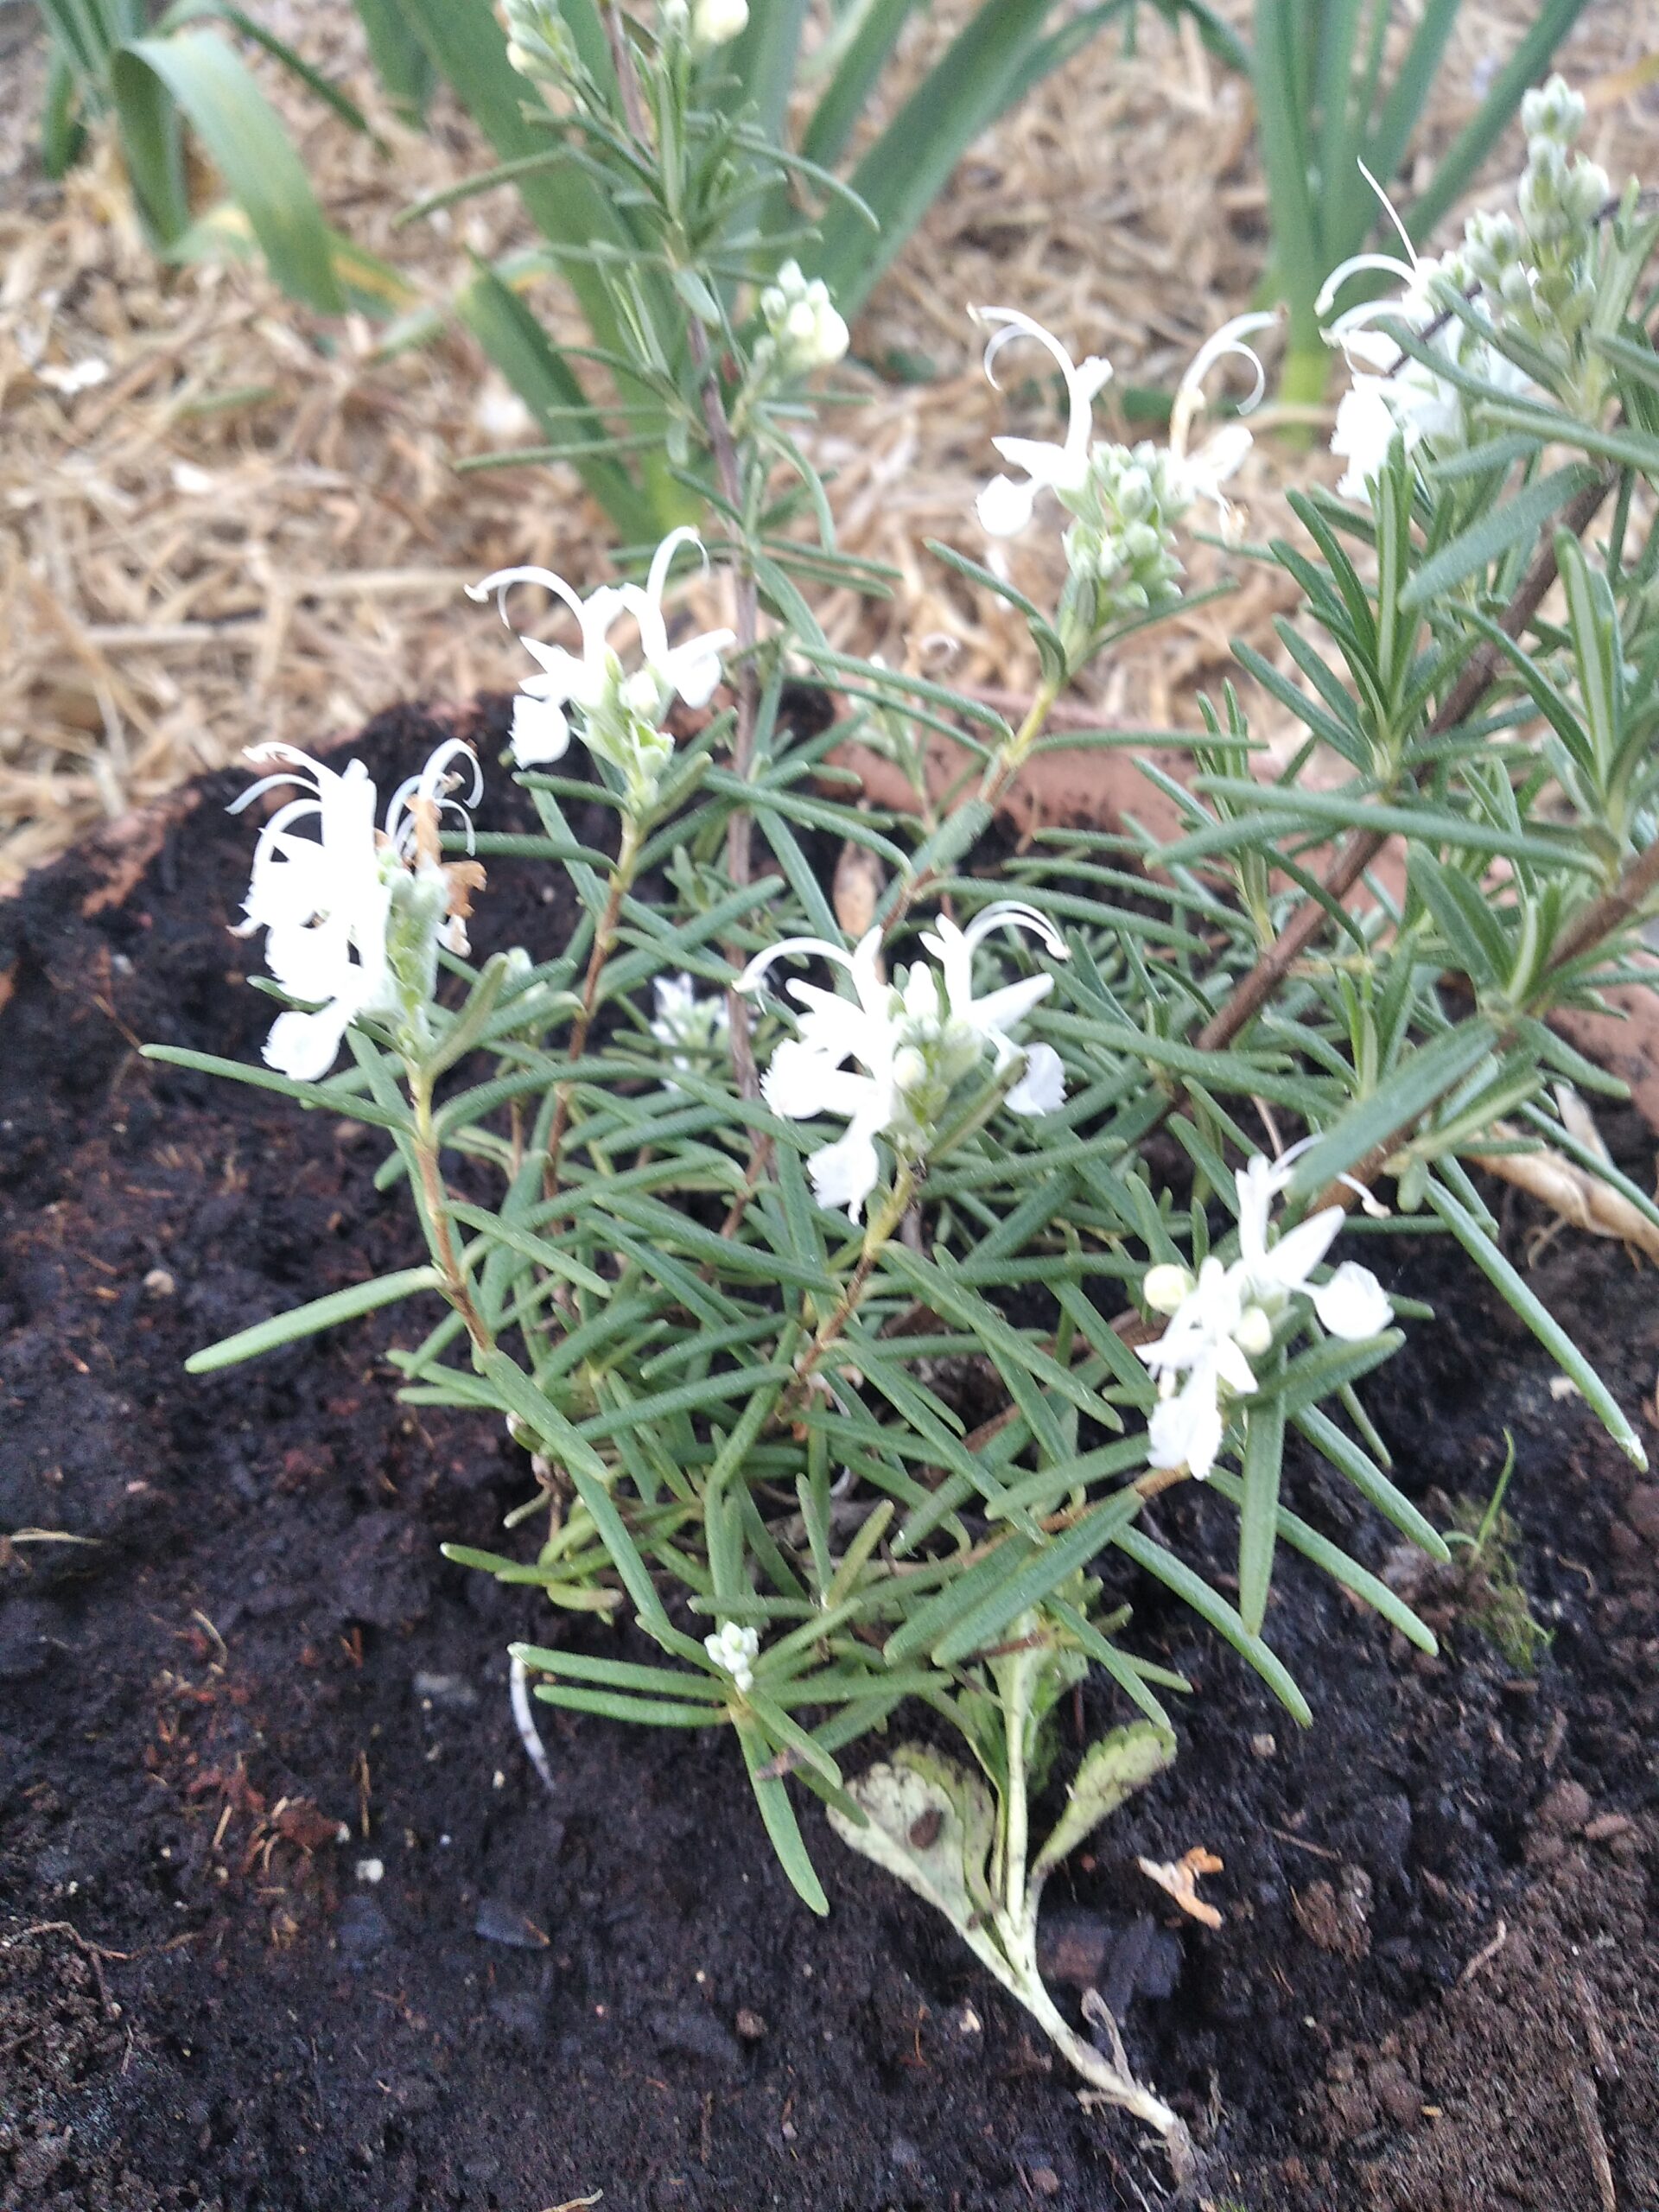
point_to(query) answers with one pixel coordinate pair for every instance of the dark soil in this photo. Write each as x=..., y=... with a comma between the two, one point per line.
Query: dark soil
x=1435, y=1985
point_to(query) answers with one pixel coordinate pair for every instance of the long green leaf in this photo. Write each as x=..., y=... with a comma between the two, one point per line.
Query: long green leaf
x=1528, y=61
x=903, y=174
x=860, y=62
x=1498, y=531
x=1548, y=1331
x=1336, y=1563
x=1264, y=1454
x=773, y=1797
x=1424, y=1077
x=404, y=65
x=248, y=146
x=307, y=1320
x=516, y=343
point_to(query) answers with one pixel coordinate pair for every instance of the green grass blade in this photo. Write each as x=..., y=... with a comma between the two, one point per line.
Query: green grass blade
x=773, y=1797
x=1368, y=1479
x=403, y=64
x=862, y=62
x=1481, y=133
x=1336, y=1563
x=763, y=60
x=1425, y=1075
x=240, y=130
x=196, y=11
x=1037, y=1578
x=1209, y=1605
x=518, y=346
x=62, y=133
x=902, y=174
x=1517, y=522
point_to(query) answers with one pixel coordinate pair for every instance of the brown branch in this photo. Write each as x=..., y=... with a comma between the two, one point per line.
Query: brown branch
x=1480, y=671
x=1610, y=911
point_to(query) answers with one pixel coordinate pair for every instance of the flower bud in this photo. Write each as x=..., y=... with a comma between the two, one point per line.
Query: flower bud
x=717, y=22
x=1554, y=111
x=1253, y=1335
x=909, y=1067
x=539, y=44
x=1166, y=1287
x=1588, y=191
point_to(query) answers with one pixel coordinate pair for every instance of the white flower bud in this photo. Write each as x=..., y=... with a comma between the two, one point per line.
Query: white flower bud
x=1166, y=1287
x=735, y=1649
x=1253, y=1335
x=1555, y=111
x=717, y=22
x=909, y=1067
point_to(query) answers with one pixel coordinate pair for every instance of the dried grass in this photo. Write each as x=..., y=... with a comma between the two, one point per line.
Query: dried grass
x=250, y=527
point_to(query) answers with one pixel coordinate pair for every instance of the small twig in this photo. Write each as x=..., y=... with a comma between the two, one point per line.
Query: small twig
x=1595, y=2141
x=1486, y=1954
x=1319, y=1850
x=1601, y=2050
x=523, y=1720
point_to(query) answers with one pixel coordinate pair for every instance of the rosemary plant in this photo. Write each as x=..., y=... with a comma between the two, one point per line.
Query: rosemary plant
x=764, y=1194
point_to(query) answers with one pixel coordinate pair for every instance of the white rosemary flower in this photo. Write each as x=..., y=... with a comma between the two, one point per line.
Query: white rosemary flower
x=1392, y=392
x=735, y=1649
x=915, y=1043
x=1200, y=475
x=1198, y=1356
x=1225, y=1320
x=1005, y=506
x=621, y=709
x=690, y=1026
x=352, y=916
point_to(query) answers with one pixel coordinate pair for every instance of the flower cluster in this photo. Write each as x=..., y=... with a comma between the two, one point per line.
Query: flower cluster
x=1229, y=1315
x=1531, y=276
x=621, y=709
x=355, y=916
x=805, y=330
x=735, y=1649
x=916, y=1040
x=539, y=43
x=1125, y=501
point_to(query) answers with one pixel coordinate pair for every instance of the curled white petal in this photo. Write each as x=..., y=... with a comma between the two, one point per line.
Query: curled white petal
x=1013, y=913
x=791, y=947
x=1005, y=506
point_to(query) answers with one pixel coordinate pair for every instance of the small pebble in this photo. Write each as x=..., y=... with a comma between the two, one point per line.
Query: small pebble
x=1264, y=1746
x=370, y=1870
x=159, y=1283
x=749, y=2023
x=1046, y=2181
